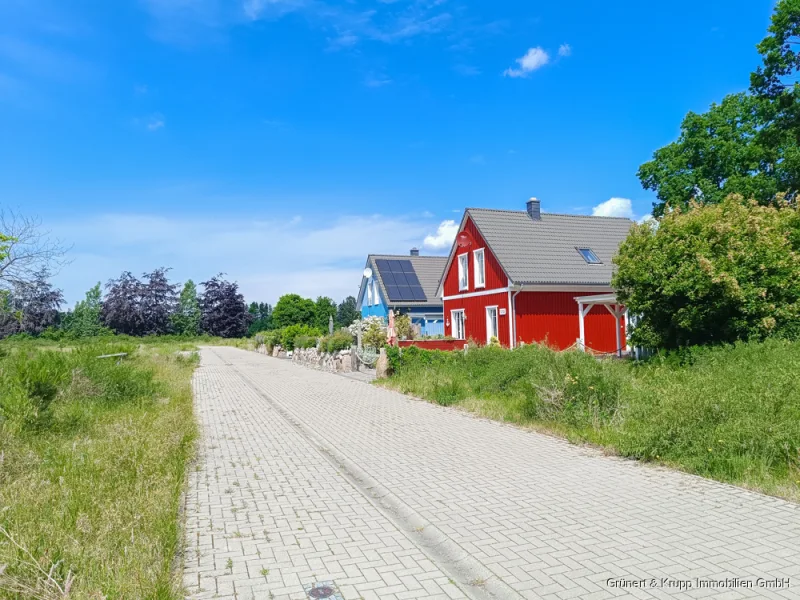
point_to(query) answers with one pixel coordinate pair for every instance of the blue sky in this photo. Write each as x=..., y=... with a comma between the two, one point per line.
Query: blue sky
x=280, y=141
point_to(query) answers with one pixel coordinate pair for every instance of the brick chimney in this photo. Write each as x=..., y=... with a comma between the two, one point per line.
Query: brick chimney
x=415, y=252
x=534, y=209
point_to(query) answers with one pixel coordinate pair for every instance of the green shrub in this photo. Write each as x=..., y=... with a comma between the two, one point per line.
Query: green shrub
x=339, y=340
x=290, y=333
x=403, y=327
x=713, y=274
x=305, y=341
x=374, y=336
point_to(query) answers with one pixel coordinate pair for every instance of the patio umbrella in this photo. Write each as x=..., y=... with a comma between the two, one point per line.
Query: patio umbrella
x=390, y=334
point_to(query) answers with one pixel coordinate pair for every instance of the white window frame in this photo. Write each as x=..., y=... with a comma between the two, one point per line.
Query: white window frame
x=376, y=296
x=369, y=292
x=479, y=271
x=496, y=334
x=463, y=271
x=463, y=321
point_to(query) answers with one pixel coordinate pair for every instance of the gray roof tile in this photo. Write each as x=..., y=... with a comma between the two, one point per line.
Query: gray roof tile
x=544, y=252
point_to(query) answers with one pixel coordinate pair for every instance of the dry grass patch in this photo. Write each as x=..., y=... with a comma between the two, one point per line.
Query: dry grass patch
x=94, y=457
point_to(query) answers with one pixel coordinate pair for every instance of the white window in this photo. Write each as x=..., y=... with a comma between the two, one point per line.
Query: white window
x=463, y=272
x=457, y=323
x=369, y=292
x=480, y=269
x=491, y=324
x=375, y=295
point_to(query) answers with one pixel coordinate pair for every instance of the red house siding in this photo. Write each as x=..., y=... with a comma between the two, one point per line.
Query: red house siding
x=552, y=317
x=475, y=313
x=495, y=277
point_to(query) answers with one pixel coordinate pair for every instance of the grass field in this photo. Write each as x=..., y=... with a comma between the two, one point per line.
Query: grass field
x=93, y=458
x=728, y=413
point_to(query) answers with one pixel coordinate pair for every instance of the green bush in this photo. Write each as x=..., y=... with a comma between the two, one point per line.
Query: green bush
x=305, y=341
x=339, y=340
x=374, y=336
x=403, y=327
x=713, y=274
x=290, y=333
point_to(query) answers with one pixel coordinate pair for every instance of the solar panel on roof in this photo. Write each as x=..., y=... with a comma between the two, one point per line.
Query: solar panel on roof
x=400, y=280
x=419, y=295
x=392, y=291
x=388, y=278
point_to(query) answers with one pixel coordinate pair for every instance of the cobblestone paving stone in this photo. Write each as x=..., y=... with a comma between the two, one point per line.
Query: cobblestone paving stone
x=548, y=519
x=268, y=516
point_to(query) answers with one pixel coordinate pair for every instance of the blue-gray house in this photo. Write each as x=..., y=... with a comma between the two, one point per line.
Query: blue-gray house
x=405, y=284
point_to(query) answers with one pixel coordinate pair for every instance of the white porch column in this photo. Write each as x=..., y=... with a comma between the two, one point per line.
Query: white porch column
x=580, y=326
x=616, y=327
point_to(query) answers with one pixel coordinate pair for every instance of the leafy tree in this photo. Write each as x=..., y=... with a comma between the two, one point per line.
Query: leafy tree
x=122, y=311
x=713, y=274
x=347, y=312
x=135, y=307
x=186, y=319
x=324, y=309
x=31, y=307
x=776, y=78
x=293, y=309
x=158, y=302
x=749, y=144
x=223, y=309
x=735, y=147
x=85, y=318
x=261, y=313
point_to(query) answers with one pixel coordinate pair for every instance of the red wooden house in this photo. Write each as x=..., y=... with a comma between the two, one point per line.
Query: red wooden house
x=528, y=276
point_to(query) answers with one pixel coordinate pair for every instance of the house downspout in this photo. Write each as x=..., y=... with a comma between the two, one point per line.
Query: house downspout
x=512, y=309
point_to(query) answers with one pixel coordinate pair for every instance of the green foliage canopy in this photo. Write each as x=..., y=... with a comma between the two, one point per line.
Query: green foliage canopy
x=261, y=313
x=734, y=148
x=293, y=309
x=347, y=312
x=324, y=309
x=713, y=274
x=186, y=319
x=749, y=144
x=84, y=320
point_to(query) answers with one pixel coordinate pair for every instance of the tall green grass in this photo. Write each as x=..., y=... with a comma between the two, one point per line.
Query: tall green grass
x=729, y=413
x=92, y=464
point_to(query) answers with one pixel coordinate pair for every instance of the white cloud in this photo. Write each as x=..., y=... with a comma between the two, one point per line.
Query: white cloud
x=376, y=80
x=190, y=21
x=535, y=58
x=154, y=122
x=565, y=50
x=614, y=207
x=267, y=258
x=444, y=236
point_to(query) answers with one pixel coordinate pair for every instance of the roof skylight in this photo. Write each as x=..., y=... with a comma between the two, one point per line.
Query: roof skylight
x=589, y=256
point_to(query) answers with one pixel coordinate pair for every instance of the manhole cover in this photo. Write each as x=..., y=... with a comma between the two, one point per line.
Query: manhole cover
x=322, y=590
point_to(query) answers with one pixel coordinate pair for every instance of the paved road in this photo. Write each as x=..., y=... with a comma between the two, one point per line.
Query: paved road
x=311, y=478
